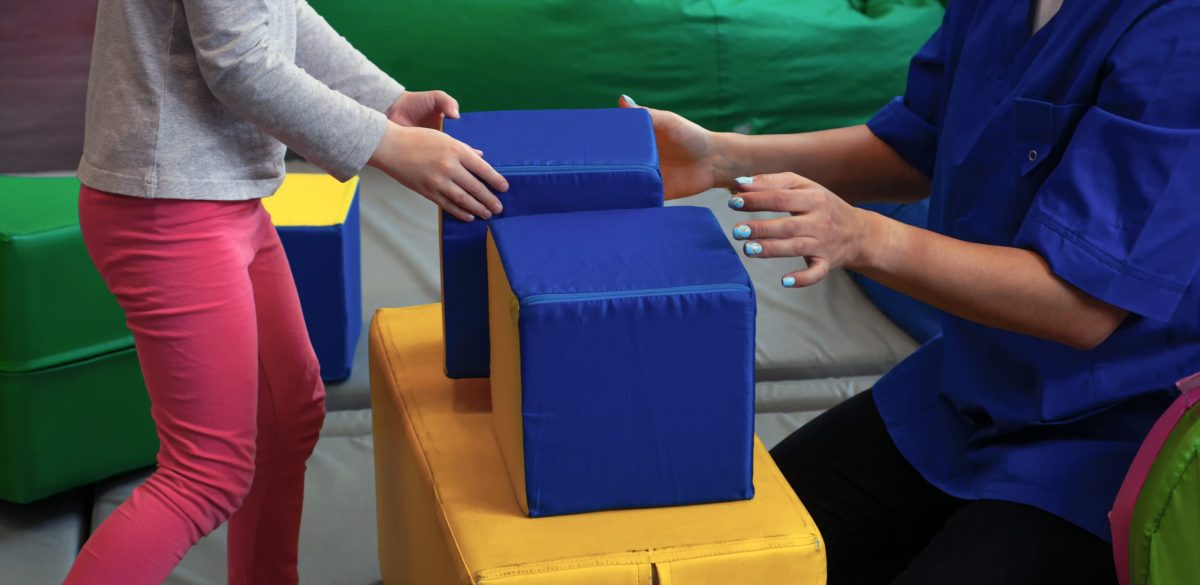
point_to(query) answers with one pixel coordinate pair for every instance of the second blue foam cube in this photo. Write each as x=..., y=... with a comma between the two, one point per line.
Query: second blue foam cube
x=622, y=359
x=555, y=161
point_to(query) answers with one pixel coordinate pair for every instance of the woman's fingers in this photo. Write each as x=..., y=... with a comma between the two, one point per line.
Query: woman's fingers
x=474, y=188
x=787, y=248
x=786, y=201
x=781, y=227
x=818, y=269
x=772, y=182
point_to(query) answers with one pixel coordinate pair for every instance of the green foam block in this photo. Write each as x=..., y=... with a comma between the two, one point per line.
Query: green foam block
x=54, y=307
x=71, y=425
x=1165, y=530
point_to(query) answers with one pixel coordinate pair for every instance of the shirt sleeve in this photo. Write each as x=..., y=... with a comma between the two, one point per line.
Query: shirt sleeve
x=910, y=123
x=248, y=72
x=329, y=57
x=1119, y=217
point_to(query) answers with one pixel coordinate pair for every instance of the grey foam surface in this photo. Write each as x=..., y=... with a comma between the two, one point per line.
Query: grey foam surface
x=337, y=536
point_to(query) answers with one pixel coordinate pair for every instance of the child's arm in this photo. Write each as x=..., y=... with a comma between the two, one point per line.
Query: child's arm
x=246, y=70
x=329, y=57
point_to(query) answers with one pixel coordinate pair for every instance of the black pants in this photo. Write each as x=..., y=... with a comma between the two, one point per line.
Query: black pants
x=883, y=524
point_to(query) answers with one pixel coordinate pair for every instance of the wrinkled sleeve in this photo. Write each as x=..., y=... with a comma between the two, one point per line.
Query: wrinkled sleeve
x=1119, y=217
x=909, y=123
x=329, y=57
x=248, y=72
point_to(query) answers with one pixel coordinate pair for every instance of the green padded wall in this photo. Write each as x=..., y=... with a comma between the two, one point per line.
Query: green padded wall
x=54, y=306
x=757, y=65
x=71, y=425
x=1164, y=543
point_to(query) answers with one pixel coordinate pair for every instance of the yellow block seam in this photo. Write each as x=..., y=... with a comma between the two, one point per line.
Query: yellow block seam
x=667, y=555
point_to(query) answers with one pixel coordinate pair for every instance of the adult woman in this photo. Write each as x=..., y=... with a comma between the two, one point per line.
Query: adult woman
x=1062, y=152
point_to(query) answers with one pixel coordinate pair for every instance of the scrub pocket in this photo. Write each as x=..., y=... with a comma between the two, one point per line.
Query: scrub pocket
x=1042, y=132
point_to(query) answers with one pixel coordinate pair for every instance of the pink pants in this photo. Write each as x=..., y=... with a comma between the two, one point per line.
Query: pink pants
x=234, y=386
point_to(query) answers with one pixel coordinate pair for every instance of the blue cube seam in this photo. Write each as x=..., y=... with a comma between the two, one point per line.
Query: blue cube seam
x=555, y=161
x=622, y=359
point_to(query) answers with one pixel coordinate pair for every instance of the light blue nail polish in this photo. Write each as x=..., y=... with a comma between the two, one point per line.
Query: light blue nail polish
x=741, y=232
x=789, y=281
x=737, y=203
x=753, y=249
x=629, y=100
x=744, y=180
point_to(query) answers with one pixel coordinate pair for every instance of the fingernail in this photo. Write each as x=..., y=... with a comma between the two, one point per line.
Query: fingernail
x=789, y=281
x=737, y=203
x=753, y=248
x=629, y=100
x=744, y=180
x=741, y=232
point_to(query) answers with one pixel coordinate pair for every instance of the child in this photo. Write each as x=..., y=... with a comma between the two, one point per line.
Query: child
x=190, y=106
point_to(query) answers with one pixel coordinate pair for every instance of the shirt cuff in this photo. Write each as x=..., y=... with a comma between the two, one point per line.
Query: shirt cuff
x=382, y=97
x=353, y=155
x=1082, y=264
x=910, y=135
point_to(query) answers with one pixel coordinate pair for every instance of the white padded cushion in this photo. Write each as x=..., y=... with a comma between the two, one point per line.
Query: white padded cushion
x=782, y=407
x=337, y=538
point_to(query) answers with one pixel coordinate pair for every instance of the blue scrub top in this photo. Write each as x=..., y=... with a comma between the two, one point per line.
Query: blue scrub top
x=1081, y=142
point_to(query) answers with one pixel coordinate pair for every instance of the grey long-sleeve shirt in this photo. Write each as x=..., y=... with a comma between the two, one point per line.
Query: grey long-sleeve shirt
x=195, y=99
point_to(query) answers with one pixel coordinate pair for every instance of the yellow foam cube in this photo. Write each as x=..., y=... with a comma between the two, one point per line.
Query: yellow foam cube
x=446, y=513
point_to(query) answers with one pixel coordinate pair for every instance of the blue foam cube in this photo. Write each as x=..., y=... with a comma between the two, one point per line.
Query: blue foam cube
x=555, y=161
x=318, y=224
x=622, y=359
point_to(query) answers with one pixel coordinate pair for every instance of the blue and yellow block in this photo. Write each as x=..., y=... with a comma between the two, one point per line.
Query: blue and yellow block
x=622, y=359
x=317, y=220
x=556, y=161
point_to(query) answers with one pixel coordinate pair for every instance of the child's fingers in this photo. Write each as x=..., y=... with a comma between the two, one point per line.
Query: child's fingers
x=480, y=168
x=818, y=269
x=476, y=189
x=449, y=207
x=446, y=104
x=627, y=102
x=463, y=199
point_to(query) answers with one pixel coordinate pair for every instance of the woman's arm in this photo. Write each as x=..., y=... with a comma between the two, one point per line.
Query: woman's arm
x=852, y=161
x=1007, y=288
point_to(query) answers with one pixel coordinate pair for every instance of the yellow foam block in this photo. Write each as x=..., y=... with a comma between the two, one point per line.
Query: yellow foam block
x=447, y=515
x=311, y=200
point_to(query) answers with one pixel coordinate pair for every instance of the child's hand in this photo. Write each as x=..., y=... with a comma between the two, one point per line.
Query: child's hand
x=442, y=169
x=423, y=108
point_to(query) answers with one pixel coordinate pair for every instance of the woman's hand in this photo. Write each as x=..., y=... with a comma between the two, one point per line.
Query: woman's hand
x=821, y=228
x=423, y=108
x=690, y=156
x=442, y=169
